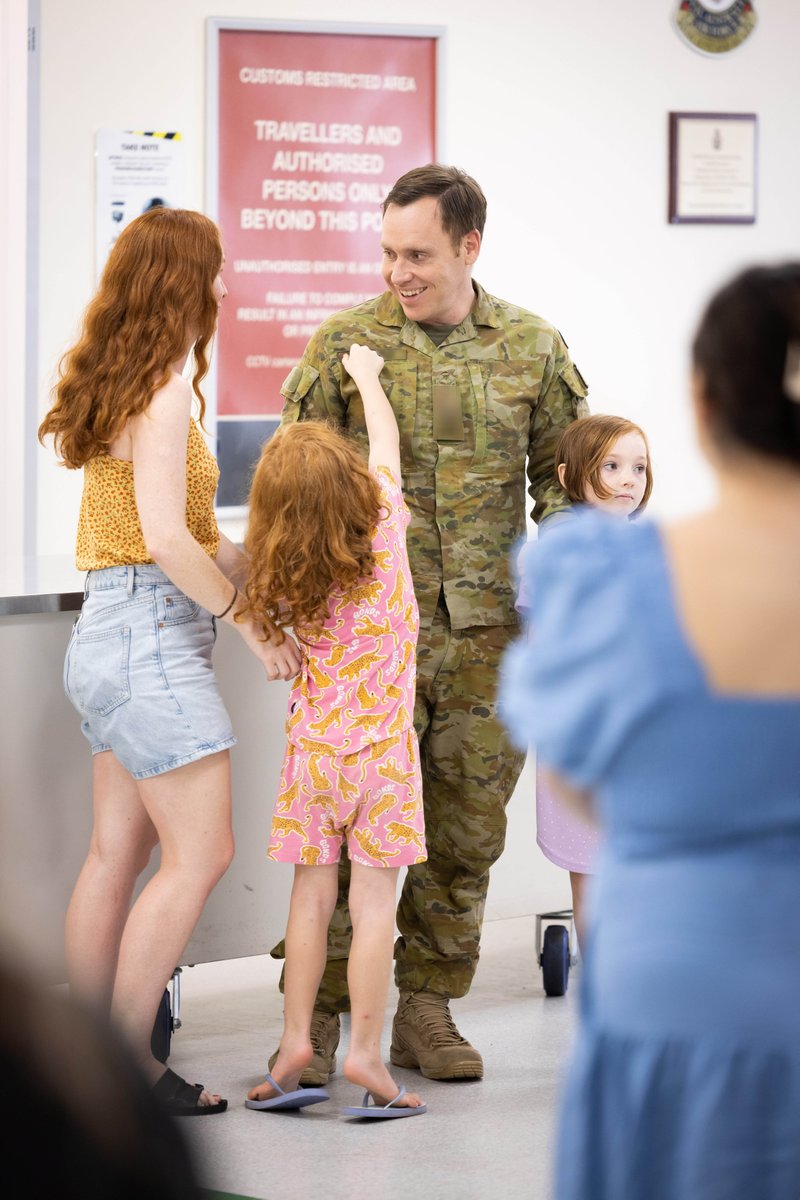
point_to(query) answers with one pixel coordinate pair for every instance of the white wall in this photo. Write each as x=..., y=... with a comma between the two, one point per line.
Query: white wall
x=13, y=248
x=560, y=111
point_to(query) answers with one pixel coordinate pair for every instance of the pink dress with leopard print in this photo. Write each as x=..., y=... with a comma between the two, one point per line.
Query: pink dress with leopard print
x=351, y=771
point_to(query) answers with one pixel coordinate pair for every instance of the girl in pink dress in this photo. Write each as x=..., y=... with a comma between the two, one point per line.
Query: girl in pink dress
x=603, y=461
x=326, y=544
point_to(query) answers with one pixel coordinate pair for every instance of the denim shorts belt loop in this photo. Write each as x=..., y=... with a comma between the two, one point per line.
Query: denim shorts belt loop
x=127, y=577
x=139, y=672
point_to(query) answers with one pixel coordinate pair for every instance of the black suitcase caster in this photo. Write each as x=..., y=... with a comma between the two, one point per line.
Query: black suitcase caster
x=556, y=950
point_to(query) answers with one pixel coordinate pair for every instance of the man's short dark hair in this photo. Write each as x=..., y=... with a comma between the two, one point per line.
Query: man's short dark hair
x=462, y=204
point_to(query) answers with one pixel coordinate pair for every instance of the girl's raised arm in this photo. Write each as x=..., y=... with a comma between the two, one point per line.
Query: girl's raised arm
x=364, y=366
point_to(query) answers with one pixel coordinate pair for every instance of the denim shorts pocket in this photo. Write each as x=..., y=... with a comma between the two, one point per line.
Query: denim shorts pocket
x=174, y=609
x=96, y=673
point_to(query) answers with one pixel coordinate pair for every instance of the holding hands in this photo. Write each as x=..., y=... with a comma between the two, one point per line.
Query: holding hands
x=281, y=661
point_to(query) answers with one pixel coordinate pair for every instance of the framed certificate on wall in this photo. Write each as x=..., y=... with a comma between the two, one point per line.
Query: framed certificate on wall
x=712, y=168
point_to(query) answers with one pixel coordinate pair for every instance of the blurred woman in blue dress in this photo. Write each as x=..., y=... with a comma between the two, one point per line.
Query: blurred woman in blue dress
x=662, y=687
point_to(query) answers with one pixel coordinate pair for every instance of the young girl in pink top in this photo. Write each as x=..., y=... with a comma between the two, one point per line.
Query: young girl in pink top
x=603, y=461
x=327, y=552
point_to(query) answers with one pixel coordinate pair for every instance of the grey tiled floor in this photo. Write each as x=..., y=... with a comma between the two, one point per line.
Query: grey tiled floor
x=486, y=1139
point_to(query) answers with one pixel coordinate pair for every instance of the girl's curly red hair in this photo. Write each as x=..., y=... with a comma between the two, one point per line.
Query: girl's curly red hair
x=156, y=298
x=314, y=508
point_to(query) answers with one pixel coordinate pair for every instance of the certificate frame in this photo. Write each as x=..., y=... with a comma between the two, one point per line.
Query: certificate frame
x=712, y=168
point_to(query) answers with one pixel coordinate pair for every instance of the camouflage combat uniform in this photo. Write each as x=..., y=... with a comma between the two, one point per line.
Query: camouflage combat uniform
x=471, y=411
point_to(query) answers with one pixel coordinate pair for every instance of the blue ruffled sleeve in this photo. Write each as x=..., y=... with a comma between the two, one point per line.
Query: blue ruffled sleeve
x=585, y=671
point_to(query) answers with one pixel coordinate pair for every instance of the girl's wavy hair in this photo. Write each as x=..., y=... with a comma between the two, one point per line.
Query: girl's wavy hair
x=314, y=508
x=583, y=448
x=156, y=298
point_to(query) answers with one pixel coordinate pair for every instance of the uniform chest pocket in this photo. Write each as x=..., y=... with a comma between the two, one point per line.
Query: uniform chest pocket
x=399, y=381
x=503, y=395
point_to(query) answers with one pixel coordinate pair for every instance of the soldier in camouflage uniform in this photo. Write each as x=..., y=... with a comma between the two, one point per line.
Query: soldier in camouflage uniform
x=481, y=390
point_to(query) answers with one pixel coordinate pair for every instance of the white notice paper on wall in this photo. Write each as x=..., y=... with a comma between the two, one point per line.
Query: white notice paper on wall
x=134, y=172
x=716, y=174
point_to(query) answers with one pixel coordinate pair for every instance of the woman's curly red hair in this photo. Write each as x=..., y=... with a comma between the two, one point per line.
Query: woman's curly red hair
x=314, y=508
x=156, y=298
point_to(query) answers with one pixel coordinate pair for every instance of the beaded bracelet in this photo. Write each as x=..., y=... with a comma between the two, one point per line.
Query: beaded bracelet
x=225, y=611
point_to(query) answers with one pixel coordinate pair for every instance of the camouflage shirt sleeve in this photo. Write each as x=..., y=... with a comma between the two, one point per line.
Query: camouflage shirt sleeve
x=314, y=388
x=562, y=400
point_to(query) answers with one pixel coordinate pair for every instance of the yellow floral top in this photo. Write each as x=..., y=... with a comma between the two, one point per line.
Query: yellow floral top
x=109, y=531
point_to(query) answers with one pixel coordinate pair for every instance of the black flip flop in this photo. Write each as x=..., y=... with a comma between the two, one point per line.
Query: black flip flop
x=181, y=1099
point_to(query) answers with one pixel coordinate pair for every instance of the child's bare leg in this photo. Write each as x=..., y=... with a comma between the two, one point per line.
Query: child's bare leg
x=578, y=885
x=373, y=892
x=313, y=899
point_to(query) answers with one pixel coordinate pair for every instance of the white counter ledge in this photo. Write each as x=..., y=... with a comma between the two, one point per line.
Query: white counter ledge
x=40, y=584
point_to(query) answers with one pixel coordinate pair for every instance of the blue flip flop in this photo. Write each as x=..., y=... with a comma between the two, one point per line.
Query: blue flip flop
x=377, y=1112
x=286, y=1100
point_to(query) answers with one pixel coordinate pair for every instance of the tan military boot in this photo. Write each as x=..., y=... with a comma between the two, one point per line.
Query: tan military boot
x=424, y=1036
x=325, y=1031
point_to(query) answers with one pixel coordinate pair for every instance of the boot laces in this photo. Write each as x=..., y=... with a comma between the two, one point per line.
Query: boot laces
x=323, y=1031
x=438, y=1022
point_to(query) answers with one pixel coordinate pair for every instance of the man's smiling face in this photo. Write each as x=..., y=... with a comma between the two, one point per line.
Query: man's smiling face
x=429, y=274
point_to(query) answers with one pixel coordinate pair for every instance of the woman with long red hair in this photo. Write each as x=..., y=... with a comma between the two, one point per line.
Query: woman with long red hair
x=138, y=667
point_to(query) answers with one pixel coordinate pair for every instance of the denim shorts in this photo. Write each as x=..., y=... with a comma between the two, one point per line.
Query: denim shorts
x=138, y=670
